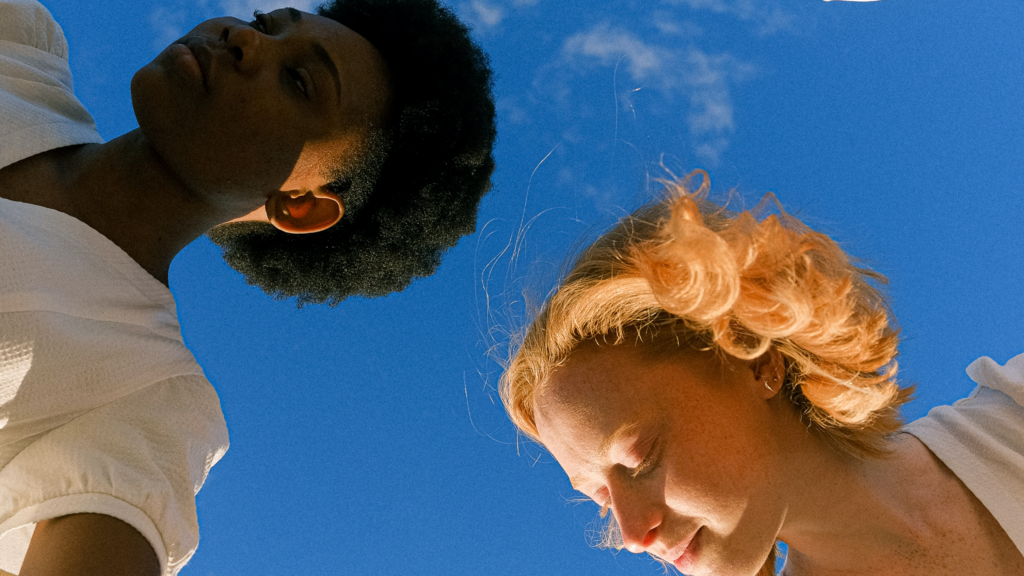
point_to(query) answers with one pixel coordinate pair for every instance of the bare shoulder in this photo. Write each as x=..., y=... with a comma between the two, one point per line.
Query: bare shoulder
x=85, y=544
x=969, y=537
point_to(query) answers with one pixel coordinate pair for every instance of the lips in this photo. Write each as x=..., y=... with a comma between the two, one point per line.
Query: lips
x=202, y=54
x=684, y=554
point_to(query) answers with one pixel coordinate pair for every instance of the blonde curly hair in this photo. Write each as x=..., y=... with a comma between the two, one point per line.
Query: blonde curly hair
x=735, y=284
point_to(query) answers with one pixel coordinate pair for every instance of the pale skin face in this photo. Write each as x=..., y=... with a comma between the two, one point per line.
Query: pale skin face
x=679, y=450
x=705, y=467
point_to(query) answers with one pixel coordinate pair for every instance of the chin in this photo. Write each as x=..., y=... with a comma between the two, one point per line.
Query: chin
x=745, y=560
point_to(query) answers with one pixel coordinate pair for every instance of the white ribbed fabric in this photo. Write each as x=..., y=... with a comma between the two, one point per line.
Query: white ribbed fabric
x=981, y=439
x=102, y=407
x=38, y=107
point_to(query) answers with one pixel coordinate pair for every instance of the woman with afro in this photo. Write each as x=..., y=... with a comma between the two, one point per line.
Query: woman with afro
x=329, y=155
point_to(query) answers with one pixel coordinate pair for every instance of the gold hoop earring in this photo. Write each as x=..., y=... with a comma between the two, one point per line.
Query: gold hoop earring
x=768, y=387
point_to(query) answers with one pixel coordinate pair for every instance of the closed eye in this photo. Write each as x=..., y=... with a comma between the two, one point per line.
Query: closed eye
x=299, y=80
x=259, y=21
x=648, y=462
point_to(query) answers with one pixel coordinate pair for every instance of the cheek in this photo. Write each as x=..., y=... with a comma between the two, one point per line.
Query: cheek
x=229, y=140
x=723, y=460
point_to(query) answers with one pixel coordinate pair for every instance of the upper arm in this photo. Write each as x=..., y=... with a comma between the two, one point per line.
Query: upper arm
x=88, y=544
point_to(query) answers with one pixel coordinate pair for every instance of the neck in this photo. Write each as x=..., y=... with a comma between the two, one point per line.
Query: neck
x=123, y=190
x=871, y=516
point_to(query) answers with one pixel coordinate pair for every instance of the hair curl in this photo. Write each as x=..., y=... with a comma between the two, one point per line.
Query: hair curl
x=417, y=189
x=733, y=283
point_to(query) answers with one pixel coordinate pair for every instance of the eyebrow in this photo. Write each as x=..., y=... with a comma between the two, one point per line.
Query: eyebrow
x=321, y=54
x=606, y=445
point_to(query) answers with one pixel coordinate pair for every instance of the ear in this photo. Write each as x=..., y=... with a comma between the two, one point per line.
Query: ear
x=298, y=212
x=769, y=372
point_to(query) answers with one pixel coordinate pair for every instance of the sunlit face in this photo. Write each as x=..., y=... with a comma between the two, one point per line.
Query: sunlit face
x=682, y=450
x=240, y=109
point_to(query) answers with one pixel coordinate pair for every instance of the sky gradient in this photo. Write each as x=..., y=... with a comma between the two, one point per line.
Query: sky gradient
x=368, y=438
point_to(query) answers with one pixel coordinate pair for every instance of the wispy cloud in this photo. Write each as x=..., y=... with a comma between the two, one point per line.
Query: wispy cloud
x=666, y=23
x=168, y=26
x=487, y=15
x=510, y=109
x=483, y=14
x=690, y=79
x=611, y=46
x=768, y=16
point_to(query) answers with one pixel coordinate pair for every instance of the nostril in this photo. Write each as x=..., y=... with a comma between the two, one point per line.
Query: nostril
x=236, y=52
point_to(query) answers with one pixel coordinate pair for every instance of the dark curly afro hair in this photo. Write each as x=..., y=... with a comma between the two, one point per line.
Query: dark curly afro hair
x=418, y=187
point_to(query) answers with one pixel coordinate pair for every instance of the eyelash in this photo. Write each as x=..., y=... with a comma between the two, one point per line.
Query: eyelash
x=257, y=19
x=640, y=470
x=645, y=465
x=260, y=26
x=299, y=81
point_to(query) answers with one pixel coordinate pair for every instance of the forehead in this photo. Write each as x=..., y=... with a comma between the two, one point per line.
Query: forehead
x=362, y=75
x=361, y=84
x=600, y=395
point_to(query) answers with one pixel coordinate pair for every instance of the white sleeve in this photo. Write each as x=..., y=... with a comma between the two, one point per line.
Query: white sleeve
x=38, y=107
x=29, y=23
x=141, y=459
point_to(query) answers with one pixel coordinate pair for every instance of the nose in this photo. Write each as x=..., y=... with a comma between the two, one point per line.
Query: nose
x=638, y=518
x=244, y=44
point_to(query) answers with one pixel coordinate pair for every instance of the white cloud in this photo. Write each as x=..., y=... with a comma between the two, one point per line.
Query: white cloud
x=486, y=15
x=709, y=78
x=613, y=46
x=482, y=15
x=666, y=24
x=167, y=26
x=692, y=75
x=770, y=17
x=713, y=5
x=509, y=108
x=490, y=14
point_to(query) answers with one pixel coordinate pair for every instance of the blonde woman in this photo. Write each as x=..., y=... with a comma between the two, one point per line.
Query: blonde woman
x=721, y=383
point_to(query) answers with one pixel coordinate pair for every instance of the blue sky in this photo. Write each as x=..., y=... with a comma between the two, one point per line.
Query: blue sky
x=368, y=439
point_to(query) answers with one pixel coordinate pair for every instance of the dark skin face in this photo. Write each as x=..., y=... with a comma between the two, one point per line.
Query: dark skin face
x=242, y=111
x=238, y=120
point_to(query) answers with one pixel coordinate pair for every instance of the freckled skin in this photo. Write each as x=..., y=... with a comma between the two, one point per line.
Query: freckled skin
x=718, y=465
x=733, y=461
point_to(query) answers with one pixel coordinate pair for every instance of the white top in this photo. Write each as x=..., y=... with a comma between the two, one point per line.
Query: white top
x=102, y=407
x=38, y=107
x=981, y=439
